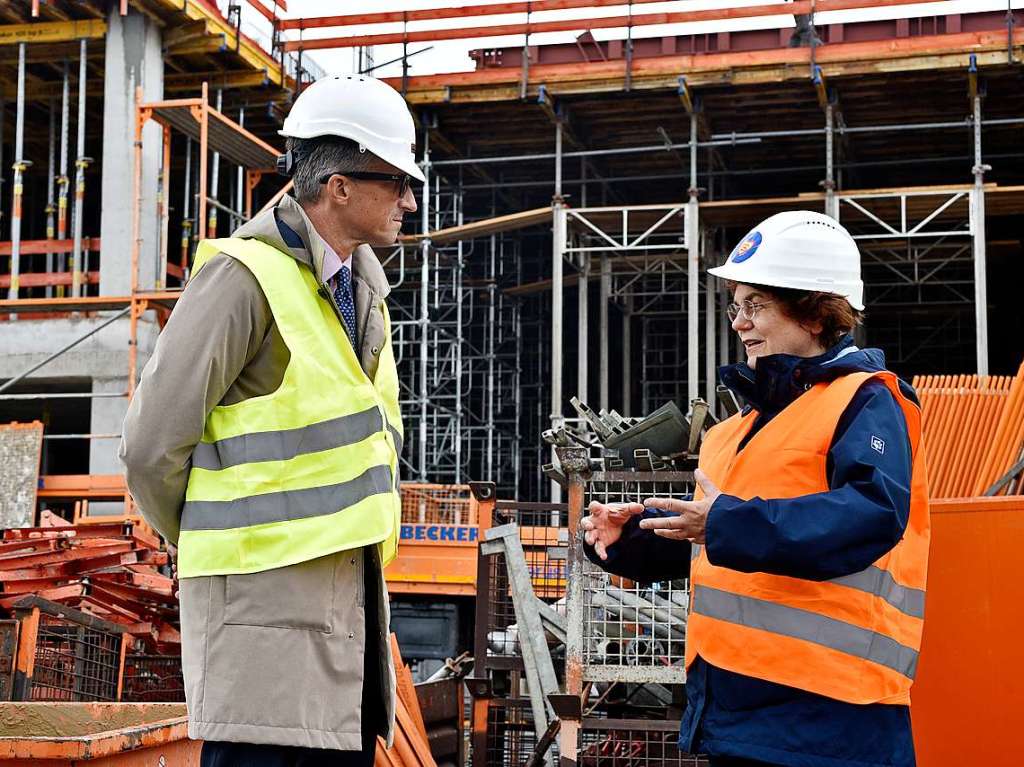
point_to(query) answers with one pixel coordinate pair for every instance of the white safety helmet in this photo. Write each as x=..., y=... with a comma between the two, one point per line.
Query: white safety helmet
x=798, y=249
x=360, y=108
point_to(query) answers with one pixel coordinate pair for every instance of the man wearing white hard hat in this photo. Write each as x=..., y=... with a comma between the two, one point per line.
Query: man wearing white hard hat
x=806, y=543
x=264, y=438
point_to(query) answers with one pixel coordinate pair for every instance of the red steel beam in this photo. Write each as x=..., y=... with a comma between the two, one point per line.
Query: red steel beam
x=38, y=247
x=881, y=50
x=569, y=25
x=433, y=14
x=40, y=279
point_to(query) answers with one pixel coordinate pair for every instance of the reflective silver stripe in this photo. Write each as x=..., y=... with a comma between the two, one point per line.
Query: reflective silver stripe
x=287, y=504
x=810, y=627
x=875, y=580
x=287, y=443
x=694, y=551
x=397, y=438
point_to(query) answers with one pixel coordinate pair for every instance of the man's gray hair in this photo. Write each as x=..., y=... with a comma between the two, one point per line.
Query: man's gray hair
x=319, y=157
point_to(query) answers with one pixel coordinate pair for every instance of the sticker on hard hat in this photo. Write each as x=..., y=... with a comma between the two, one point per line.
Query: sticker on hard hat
x=746, y=249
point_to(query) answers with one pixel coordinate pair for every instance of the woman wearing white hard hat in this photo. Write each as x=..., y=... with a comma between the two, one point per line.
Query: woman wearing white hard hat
x=807, y=539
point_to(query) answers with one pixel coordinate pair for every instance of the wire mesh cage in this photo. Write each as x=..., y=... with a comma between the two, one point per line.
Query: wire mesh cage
x=633, y=743
x=153, y=679
x=544, y=536
x=73, y=660
x=634, y=632
x=437, y=504
x=511, y=735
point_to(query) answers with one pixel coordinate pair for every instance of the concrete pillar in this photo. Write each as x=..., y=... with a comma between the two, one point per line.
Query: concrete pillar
x=133, y=58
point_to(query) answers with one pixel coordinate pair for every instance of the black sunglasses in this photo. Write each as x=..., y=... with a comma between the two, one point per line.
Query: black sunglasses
x=402, y=181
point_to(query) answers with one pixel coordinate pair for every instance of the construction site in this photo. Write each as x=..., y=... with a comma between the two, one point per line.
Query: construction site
x=556, y=334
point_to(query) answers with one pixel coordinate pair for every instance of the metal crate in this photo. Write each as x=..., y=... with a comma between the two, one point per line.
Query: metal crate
x=544, y=535
x=153, y=679
x=437, y=504
x=633, y=632
x=66, y=655
x=632, y=743
x=511, y=738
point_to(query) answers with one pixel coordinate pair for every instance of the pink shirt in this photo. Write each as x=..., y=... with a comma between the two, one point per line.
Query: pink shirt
x=333, y=263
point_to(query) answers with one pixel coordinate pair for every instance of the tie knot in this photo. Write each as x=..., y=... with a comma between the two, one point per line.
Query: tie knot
x=345, y=276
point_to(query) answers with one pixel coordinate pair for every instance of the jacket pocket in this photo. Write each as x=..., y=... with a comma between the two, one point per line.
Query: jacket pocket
x=296, y=597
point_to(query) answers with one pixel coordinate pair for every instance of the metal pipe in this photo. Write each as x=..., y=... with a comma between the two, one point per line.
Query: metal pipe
x=62, y=178
x=19, y=175
x=62, y=395
x=186, y=207
x=492, y=293
x=710, y=332
x=8, y=384
x=627, y=357
x=594, y=152
x=693, y=273
x=204, y=129
x=458, y=345
x=424, y=307
x=211, y=227
x=582, y=342
x=81, y=163
x=240, y=177
x=978, y=221
x=605, y=351
x=830, y=184
x=51, y=208
x=164, y=206
x=557, y=255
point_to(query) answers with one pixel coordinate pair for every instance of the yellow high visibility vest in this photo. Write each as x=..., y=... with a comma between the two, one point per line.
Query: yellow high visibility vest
x=309, y=469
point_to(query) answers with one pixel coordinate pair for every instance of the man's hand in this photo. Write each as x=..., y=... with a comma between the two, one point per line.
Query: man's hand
x=691, y=517
x=604, y=525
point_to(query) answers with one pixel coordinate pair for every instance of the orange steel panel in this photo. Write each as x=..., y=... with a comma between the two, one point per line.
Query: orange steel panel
x=37, y=247
x=430, y=567
x=81, y=486
x=39, y=279
x=611, y=22
x=431, y=14
x=966, y=700
x=832, y=53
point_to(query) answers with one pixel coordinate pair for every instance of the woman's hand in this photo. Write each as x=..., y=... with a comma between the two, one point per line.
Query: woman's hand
x=604, y=524
x=691, y=516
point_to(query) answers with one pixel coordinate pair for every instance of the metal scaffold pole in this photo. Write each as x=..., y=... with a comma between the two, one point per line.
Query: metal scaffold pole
x=186, y=208
x=211, y=226
x=424, y=319
x=81, y=163
x=557, y=261
x=710, y=324
x=240, y=176
x=19, y=175
x=692, y=273
x=606, y=299
x=829, y=182
x=51, y=167
x=582, y=342
x=62, y=170
x=627, y=356
x=978, y=227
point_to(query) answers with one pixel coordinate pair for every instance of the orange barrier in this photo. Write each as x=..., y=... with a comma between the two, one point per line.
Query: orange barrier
x=100, y=734
x=973, y=430
x=966, y=701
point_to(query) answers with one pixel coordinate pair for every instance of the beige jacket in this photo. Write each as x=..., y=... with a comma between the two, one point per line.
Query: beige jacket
x=272, y=657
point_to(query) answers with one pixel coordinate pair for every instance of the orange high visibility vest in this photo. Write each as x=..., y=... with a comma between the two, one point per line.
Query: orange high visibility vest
x=854, y=638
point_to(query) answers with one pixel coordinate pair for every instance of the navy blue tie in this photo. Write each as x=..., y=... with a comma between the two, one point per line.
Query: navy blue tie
x=343, y=298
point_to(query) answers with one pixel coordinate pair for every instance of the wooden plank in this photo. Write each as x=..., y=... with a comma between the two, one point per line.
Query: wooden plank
x=484, y=227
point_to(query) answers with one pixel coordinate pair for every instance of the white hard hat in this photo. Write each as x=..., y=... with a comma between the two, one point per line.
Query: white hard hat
x=360, y=108
x=798, y=249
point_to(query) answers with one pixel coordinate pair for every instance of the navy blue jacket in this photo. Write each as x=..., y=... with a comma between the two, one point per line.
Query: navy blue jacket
x=819, y=536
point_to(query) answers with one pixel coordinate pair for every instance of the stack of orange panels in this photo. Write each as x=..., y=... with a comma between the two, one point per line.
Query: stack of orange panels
x=109, y=570
x=973, y=430
x=411, y=747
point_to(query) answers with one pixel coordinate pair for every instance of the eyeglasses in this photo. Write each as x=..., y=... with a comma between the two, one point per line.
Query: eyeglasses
x=402, y=181
x=748, y=309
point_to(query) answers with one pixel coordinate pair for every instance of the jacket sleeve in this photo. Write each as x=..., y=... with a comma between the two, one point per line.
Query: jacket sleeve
x=216, y=327
x=642, y=556
x=836, y=532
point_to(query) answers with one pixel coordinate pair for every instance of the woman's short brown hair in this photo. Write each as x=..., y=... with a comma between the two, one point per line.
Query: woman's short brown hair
x=832, y=312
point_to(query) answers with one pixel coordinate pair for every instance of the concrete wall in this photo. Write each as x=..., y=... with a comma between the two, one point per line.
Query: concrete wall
x=133, y=58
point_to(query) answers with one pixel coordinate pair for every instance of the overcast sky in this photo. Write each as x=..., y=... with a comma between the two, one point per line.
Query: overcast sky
x=452, y=55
